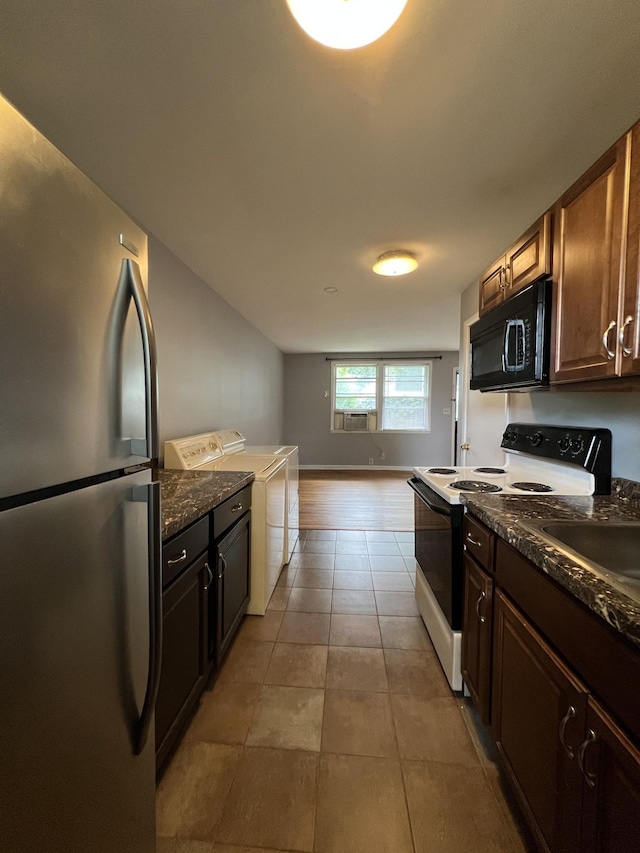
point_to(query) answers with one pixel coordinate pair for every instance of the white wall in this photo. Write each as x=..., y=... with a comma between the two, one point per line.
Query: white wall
x=618, y=411
x=216, y=370
x=308, y=418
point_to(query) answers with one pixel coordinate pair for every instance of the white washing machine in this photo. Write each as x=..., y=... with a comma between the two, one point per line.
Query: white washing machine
x=268, y=504
x=231, y=442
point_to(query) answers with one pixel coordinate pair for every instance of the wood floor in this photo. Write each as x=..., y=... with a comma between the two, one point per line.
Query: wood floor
x=355, y=500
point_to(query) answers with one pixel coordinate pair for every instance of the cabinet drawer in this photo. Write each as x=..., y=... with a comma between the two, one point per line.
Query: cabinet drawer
x=478, y=541
x=178, y=552
x=230, y=511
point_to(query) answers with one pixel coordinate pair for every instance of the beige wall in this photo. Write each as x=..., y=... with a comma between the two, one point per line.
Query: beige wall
x=216, y=369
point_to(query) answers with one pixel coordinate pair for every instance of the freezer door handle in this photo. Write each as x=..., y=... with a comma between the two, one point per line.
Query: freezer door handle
x=147, y=446
x=151, y=494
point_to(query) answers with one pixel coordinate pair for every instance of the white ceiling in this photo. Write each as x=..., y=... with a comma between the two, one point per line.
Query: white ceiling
x=275, y=167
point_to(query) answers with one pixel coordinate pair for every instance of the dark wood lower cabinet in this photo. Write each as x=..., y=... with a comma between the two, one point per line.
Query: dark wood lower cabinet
x=538, y=719
x=576, y=773
x=232, y=563
x=476, y=636
x=185, y=659
x=611, y=806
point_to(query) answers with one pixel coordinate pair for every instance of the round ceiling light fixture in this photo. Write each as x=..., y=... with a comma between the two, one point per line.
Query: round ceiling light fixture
x=346, y=24
x=395, y=263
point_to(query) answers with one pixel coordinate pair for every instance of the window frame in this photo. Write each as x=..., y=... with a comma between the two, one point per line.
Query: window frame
x=380, y=365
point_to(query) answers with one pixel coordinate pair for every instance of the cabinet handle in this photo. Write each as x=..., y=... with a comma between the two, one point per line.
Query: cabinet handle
x=568, y=716
x=222, y=562
x=500, y=281
x=473, y=541
x=507, y=270
x=626, y=351
x=179, y=559
x=605, y=340
x=210, y=573
x=237, y=507
x=590, y=778
x=482, y=595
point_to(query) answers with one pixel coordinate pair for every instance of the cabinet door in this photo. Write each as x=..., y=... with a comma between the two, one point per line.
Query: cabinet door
x=587, y=260
x=538, y=713
x=530, y=257
x=184, y=653
x=492, y=287
x=232, y=591
x=629, y=322
x=476, y=636
x=611, y=806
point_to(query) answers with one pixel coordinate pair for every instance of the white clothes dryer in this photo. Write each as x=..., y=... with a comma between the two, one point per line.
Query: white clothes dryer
x=268, y=502
x=231, y=441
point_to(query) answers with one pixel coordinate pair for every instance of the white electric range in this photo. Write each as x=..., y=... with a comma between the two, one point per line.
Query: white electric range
x=541, y=461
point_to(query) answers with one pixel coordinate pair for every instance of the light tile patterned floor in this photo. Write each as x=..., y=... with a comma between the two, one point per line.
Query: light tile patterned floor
x=331, y=727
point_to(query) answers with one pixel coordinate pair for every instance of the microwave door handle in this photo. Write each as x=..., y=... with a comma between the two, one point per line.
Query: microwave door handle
x=507, y=367
x=520, y=339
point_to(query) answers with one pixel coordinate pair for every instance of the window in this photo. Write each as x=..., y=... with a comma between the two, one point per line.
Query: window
x=395, y=394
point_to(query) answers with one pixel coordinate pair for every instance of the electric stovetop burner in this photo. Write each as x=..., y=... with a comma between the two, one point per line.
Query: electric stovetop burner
x=489, y=471
x=532, y=487
x=474, y=486
x=442, y=471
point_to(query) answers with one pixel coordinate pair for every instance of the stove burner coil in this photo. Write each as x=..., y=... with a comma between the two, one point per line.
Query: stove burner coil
x=441, y=471
x=489, y=471
x=532, y=487
x=474, y=486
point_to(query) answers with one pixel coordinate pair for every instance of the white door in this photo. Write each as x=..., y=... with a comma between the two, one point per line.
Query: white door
x=482, y=416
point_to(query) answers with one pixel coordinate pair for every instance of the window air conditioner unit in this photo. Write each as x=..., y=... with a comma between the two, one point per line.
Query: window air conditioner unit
x=356, y=421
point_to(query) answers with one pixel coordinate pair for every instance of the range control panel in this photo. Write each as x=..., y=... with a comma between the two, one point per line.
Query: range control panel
x=587, y=447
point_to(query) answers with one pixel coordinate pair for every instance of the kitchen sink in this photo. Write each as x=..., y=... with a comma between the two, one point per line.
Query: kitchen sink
x=609, y=546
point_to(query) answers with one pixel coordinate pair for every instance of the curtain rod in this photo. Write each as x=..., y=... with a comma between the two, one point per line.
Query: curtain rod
x=388, y=358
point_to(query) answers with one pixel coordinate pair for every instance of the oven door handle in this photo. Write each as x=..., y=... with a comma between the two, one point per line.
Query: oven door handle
x=443, y=509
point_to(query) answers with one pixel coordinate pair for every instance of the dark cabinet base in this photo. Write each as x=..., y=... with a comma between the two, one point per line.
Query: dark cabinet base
x=185, y=659
x=232, y=586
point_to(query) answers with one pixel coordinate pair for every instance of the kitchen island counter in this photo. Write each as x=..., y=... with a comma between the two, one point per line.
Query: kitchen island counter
x=188, y=495
x=615, y=600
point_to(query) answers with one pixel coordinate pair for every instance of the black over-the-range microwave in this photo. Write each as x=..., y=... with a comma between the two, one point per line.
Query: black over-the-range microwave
x=510, y=345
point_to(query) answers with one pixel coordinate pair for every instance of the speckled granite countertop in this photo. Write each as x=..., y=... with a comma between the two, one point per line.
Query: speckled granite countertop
x=188, y=495
x=615, y=600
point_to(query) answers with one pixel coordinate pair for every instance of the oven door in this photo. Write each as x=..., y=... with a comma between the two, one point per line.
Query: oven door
x=438, y=547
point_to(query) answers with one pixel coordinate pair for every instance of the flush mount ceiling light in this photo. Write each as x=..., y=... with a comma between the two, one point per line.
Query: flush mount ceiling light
x=346, y=24
x=395, y=263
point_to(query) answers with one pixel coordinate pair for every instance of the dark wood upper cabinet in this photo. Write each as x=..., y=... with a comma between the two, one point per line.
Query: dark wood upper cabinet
x=629, y=320
x=524, y=262
x=589, y=237
x=492, y=286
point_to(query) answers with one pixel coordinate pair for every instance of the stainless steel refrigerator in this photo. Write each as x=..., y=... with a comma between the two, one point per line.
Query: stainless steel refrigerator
x=79, y=515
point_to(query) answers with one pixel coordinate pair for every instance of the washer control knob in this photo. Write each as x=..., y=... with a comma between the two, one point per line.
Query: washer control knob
x=564, y=444
x=535, y=440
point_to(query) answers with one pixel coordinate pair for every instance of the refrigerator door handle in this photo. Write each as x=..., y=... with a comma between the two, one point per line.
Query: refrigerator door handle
x=147, y=446
x=151, y=495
